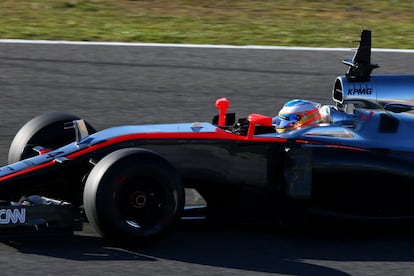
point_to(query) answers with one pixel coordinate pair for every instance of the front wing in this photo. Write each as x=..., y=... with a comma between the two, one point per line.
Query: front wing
x=21, y=220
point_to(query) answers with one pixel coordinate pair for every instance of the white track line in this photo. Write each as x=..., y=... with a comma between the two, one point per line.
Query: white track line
x=294, y=48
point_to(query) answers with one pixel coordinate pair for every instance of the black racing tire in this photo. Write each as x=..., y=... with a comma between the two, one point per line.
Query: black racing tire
x=46, y=130
x=133, y=196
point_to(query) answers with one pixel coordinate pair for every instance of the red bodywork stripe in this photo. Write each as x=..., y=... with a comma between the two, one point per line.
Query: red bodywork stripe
x=329, y=145
x=167, y=136
x=30, y=169
x=220, y=135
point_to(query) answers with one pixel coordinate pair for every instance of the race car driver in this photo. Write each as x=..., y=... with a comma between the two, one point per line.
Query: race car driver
x=296, y=114
x=299, y=113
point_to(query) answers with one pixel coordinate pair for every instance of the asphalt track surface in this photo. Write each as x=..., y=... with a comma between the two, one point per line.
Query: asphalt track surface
x=114, y=85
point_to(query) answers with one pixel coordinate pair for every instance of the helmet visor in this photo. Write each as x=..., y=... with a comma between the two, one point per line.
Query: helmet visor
x=286, y=120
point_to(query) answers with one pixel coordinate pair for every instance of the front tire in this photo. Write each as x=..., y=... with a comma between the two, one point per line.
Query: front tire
x=133, y=196
x=46, y=130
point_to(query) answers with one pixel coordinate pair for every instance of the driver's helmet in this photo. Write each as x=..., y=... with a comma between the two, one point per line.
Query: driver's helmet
x=296, y=114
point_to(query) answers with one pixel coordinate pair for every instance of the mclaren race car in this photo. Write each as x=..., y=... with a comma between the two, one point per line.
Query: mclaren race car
x=129, y=182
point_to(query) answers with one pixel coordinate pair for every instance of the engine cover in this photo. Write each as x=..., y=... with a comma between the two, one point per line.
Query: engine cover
x=380, y=89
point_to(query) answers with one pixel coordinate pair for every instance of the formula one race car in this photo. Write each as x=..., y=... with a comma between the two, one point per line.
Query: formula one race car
x=130, y=181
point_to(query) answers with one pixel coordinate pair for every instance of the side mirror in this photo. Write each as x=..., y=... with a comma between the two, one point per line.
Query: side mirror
x=257, y=119
x=222, y=105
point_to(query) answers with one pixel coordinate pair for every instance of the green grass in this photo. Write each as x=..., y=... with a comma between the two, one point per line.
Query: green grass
x=335, y=23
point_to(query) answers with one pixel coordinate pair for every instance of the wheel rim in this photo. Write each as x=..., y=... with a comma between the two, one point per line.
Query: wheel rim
x=142, y=202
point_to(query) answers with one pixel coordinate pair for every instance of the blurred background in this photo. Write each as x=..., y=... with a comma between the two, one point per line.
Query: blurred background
x=243, y=22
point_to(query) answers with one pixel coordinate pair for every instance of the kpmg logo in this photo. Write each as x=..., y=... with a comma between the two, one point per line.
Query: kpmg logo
x=360, y=91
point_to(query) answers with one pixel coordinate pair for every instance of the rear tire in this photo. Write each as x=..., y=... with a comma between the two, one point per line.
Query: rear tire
x=133, y=196
x=46, y=130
